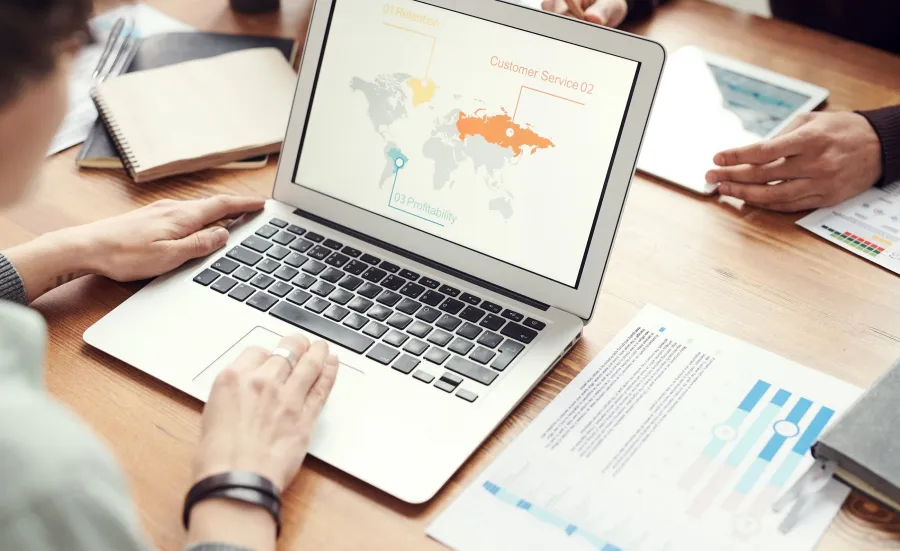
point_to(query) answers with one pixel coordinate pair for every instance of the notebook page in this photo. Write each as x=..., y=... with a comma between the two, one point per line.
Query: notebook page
x=201, y=108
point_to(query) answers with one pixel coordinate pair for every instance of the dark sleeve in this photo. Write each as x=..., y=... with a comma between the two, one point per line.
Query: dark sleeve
x=11, y=286
x=641, y=9
x=886, y=122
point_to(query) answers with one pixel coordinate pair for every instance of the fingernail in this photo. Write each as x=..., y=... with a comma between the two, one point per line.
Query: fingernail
x=332, y=360
x=220, y=235
x=719, y=159
x=711, y=177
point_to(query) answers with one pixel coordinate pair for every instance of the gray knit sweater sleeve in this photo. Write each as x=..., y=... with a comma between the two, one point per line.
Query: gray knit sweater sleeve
x=11, y=286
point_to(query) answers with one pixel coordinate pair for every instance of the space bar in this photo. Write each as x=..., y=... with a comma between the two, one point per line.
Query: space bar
x=328, y=330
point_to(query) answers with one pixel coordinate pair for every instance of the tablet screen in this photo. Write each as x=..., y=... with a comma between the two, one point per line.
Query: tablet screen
x=760, y=106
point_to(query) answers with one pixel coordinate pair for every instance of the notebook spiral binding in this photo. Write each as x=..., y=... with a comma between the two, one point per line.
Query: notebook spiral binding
x=132, y=165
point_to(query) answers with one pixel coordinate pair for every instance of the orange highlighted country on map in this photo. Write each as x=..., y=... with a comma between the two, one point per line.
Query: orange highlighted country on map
x=501, y=130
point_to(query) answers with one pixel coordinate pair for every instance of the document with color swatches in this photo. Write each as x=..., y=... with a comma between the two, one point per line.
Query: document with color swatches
x=675, y=437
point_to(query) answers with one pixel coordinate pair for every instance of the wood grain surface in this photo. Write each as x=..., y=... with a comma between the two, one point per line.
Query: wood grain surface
x=751, y=274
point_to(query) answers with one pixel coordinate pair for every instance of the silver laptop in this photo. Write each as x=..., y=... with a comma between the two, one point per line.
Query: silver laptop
x=448, y=192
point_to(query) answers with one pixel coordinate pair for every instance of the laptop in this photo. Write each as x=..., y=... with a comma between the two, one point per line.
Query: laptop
x=449, y=188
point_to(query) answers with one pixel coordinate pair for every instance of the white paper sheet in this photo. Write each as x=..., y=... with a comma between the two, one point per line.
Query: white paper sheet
x=867, y=225
x=674, y=437
x=81, y=113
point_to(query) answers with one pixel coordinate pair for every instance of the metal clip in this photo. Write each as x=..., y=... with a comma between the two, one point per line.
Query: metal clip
x=803, y=491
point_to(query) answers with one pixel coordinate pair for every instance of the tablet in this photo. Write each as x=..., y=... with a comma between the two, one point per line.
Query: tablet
x=707, y=103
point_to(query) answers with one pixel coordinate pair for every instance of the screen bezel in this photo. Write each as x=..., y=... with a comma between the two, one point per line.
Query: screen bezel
x=580, y=300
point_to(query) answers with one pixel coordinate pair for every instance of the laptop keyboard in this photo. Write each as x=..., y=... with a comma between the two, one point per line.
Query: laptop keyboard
x=391, y=314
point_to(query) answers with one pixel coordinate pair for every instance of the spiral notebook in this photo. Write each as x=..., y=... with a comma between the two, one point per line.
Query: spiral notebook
x=196, y=115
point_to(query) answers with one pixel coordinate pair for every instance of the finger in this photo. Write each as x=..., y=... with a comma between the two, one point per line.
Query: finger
x=203, y=212
x=806, y=203
x=555, y=6
x=278, y=367
x=763, y=152
x=307, y=371
x=756, y=194
x=250, y=359
x=196, y=245
x=321, y=389
x=781, y=169
x=575, y=8
x=609, y=13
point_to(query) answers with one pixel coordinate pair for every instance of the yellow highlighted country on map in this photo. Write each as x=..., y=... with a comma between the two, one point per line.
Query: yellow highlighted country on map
x=502, y=131
x=422, y=90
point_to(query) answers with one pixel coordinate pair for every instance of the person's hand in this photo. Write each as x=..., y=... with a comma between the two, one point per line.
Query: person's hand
x=609, y=13
x=820, y=159
x=259, y=418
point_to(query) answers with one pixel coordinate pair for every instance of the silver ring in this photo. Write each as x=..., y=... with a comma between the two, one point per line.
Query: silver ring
x=286, y=354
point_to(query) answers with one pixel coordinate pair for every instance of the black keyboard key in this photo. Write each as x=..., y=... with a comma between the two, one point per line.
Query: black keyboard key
x=266, y=231
x=375, y=330
x=470, y=299
x=301, y=245
x=437, y=355
x=332, y=244
x=369, y=290
x=280, y=289
x=206, y=277
x=299, y=297
x=244, y=273
x=304, y=281
x=469, y=331
x=409, y=274
x=267, y=266
x=506, y=354
x=393, y=283
x=466, y=395
x=432, y=298
x=225, y=265
x=283, y=238
x=423, y=376
x=399, y=321
x=380, y=312
x=482, y=355
x=313, y=267
x=445, y=386
x=512, y=315
x=405, y=364
x=451, y=306
x=395, y=338
x=519, y=332
x=322, y=288
x=389, y=267
x=490, y=339
x=448, y=322
x=460, y=346
x=315, y=237
x=532, y=323
x=408, y=306
x=355, y=267
x=388, y=298
x=415, y=347
x=351, y=283
x=351, y=252
x=245, y=256
x=439, y=337
x=278, y=222
x=374, y=275
x=419, y=329
x=262, y=281
x=317, y=305
x=412, y=290
x=471, y=370
x=341, y=296
x=319, y=252
x=322, y=327
x=257, y=244
x=452, y=379
x=369, y=259
x=360, y=305
x=336, y=313
x=430, y=283
x=337, y=260
x=428, y=314
x=332, y=275
x=286, y=273
x=491, y=307
x=492, y=322
x=356, y=321
x=296, y=229
x=241, y=292
x=295, y=259
x=277, y=252
x=223, y=284
x=262, y=301
x=473, y=314
x=448, y=290
x=383, y=354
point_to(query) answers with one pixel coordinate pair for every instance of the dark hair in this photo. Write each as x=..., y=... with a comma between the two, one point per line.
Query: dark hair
x=31, y=33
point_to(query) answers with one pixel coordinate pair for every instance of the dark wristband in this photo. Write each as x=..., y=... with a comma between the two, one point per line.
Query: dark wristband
x=241, y=486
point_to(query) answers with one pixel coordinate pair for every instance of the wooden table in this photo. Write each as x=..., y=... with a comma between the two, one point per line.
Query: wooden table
x=750, y=274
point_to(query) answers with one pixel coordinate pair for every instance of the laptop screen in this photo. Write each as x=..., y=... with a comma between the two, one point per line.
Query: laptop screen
x=496, y=139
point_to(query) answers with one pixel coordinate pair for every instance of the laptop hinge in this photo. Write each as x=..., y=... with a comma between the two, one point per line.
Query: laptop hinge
x=425, y=261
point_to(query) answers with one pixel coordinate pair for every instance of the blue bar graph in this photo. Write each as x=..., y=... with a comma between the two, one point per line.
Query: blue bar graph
x=797, y=412
x=806, y=440
x=758, y=428
x=754, y=396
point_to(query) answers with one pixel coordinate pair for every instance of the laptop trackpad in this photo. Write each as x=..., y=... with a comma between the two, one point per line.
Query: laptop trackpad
x=259, y=336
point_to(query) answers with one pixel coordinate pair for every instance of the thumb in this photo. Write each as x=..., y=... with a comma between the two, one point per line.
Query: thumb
x=201, y=243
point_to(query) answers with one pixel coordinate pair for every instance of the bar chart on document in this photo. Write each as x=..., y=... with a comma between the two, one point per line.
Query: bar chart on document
x=681, y=438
